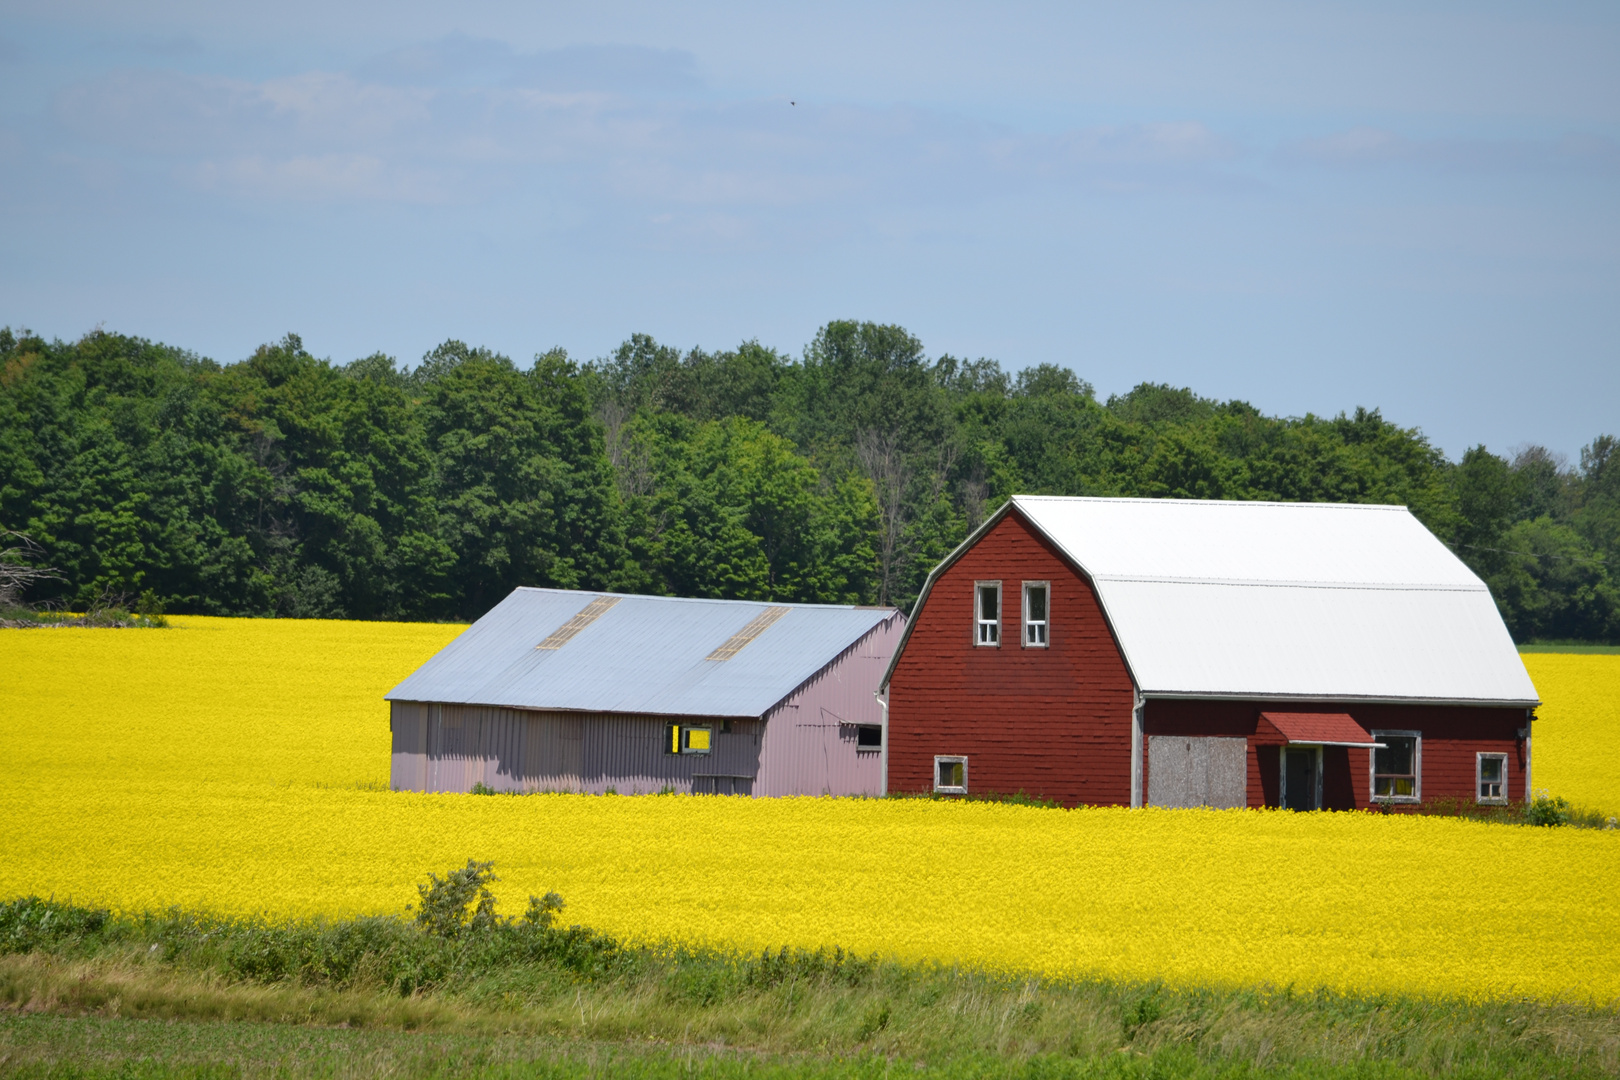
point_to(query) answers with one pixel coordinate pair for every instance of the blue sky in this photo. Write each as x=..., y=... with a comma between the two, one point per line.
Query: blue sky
x=1309, y=206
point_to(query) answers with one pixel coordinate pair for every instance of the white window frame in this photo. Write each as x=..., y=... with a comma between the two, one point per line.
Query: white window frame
x=1479, y=778
x=979, y=623
x=950, y=789
x=678, y=734
x=859, y=749
x=1045, y=624
x=1417, y=769
x=1282, y=776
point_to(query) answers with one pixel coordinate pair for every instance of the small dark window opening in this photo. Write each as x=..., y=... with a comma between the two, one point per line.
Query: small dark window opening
x=868, y=737
x=1492, y=778
x=1395, y=767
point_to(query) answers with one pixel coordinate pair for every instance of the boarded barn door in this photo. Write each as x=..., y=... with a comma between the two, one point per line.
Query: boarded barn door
x=1190, y=771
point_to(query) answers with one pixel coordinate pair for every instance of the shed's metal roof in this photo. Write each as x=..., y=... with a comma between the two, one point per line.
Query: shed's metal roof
x=1326, y=601
x=640, y=654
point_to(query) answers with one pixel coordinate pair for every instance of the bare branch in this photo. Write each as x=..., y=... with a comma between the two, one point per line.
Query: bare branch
x=890, y=474
x=17, y=574
x=632, y=465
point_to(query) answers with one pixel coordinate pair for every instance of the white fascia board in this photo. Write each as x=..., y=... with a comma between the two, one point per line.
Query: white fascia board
x=1331, y=699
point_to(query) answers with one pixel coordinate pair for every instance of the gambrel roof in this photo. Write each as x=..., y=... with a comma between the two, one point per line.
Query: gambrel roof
x=557, y=649
x=1302, y=601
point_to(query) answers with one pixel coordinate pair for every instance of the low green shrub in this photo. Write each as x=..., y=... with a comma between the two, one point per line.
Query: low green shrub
x=1547, y=810
x=30, y=924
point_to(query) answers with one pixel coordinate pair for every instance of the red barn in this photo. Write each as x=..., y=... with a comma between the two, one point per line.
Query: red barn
x=1173, y=652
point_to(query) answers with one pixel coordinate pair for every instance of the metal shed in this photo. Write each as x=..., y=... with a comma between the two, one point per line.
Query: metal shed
x=559, y=690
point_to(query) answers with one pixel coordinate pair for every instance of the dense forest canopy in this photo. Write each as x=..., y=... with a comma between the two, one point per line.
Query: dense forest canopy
x=288, y=485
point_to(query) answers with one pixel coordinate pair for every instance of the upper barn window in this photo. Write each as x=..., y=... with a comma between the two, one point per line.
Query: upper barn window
x=1397, y=770
x=987, y=612
x=1036, y=598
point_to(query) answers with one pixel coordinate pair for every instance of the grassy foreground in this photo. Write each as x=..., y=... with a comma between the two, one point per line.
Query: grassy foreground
x=371, y=997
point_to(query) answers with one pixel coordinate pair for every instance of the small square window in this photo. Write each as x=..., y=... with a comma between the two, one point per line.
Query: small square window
x=687, y=739
x=868, y=737
x=987, y=613
x=1036, y=597
x=950, y=775
x=1397, y=766
x=1491, y=778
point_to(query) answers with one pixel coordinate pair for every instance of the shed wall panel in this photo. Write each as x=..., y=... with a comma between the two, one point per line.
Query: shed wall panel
x=524, y=750
x=407, y=770
x=810, y=739
x=1051, y=722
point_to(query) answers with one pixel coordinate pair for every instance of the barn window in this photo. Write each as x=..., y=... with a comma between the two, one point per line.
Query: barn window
x=950, y=775
x=1491, y=778
x=1397, y=767
x=688, y=739
x=868, y=737
x=1035, y=613
x=987, y=613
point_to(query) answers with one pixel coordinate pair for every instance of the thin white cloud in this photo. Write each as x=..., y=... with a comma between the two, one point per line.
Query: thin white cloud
x=1362, y=147
x=168, y=113
x=460, y=61
x=323, y=178
x=1357, y=146
x=1184, y=142
x=415, y=127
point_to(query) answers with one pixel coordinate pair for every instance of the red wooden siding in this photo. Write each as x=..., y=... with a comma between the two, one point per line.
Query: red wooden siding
x=1052, y=722
x=1451, y=735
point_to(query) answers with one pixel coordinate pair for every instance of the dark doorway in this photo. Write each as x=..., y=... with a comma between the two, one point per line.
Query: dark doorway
x=1300, y=772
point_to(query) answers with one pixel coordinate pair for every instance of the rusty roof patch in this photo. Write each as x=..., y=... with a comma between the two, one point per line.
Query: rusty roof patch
x=739, y=641
x=587, y=615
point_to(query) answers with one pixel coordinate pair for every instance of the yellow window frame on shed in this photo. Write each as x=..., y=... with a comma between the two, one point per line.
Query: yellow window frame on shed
x=688, y=739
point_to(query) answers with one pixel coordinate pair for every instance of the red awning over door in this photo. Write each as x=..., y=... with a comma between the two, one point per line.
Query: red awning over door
x=1319, y=729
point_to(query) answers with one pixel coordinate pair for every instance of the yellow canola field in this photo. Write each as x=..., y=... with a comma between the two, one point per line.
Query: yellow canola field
x=1576, y=749
x=237, y=765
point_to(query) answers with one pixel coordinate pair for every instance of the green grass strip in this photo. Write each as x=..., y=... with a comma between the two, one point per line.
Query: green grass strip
x=383, y=997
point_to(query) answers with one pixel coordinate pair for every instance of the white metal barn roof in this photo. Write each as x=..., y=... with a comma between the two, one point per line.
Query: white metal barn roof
x=606, y=652
x=1285, y=600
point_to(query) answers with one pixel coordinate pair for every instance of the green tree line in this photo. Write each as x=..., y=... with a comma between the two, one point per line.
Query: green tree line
x=285, y=484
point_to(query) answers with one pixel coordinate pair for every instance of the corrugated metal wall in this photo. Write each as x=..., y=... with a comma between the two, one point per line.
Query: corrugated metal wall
x=810, y=738
x=805, y=746
x=453, y=747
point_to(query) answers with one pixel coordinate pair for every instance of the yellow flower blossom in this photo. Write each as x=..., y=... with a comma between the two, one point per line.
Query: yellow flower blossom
x=1577, y=731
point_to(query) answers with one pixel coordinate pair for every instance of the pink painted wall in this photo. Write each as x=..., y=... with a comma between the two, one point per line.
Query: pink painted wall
x=809, y=746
